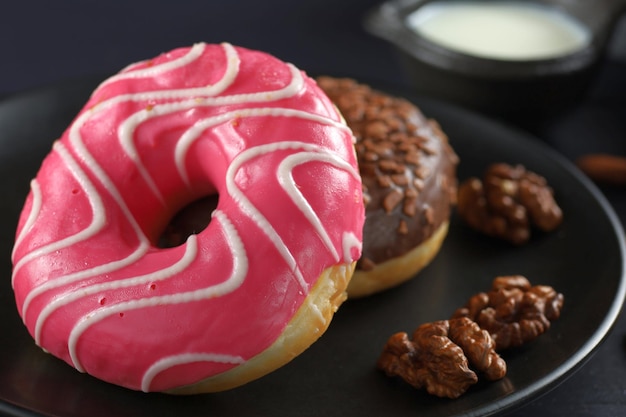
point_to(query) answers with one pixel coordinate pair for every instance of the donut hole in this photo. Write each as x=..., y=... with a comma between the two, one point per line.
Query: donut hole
x=191, y=219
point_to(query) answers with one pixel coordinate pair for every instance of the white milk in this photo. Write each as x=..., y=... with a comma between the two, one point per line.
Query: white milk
x=508, y=30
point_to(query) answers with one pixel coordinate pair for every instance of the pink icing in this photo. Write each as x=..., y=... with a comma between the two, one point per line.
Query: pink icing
x=90, y=284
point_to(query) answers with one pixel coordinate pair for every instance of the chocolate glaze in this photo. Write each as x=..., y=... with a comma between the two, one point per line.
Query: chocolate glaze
x=407, y=165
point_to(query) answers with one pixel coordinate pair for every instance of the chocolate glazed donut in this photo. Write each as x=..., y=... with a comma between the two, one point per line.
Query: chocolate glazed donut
x=408, y=170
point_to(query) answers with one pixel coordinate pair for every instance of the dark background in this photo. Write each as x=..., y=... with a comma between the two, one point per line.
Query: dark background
x=46, y=42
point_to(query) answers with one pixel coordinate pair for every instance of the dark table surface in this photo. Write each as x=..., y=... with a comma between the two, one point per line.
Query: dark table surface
x=43, y=43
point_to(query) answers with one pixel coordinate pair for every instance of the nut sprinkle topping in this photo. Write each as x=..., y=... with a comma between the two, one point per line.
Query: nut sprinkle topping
x=407, y=165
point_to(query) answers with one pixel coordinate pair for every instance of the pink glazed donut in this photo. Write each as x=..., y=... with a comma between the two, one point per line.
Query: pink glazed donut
x=235, y=301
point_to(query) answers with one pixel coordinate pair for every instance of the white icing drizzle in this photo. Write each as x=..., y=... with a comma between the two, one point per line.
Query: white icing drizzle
x=98, y=221
x=172, y=94
x=245, y=204
x=194, y=53
x=60, y=301
x=137, y=254
x=285, y=178
x=234, y=281
x=176, y=100
x=32, y=216
x=127, y=128
x=194, y=132
x=184, y=359
x=75, y=139
x=95, y=202
x=349, y=242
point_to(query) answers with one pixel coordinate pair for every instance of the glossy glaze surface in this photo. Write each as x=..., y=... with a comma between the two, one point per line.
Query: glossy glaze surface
x=91, y=284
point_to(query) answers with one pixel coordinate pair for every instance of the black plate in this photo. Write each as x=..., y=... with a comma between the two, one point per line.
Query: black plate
x=584, y=260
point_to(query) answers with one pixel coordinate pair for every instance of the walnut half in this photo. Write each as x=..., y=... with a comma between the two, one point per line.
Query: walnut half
x=507, y=202
x=513, y=311
x=444, y=356
x=439, y=356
